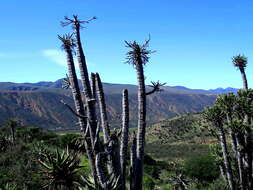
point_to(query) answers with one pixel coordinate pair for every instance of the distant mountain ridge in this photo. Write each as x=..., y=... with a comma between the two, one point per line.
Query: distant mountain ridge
x=57, y=84
x=212, y=91
x=38, y=104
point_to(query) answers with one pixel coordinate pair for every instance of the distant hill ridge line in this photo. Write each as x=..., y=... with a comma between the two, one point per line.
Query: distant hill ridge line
x=37, y=104
x=109, y=87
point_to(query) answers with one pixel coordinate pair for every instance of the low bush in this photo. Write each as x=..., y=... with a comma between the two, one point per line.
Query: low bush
x=202, y=168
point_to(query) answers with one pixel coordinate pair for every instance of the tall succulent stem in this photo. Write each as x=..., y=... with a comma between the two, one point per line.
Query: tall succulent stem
x=93, y=85
x=240, y=61
x=124, y=137
x=226, y=159
x=77, y=97
x=74, y=86
x=141, y=125
x=82, y=64
x=103, y=117
x=139, y=56
x=244, y=78
x=248, y=135
x=91, y=110
x=133, y=164
x=102, y=109
x=102, y=178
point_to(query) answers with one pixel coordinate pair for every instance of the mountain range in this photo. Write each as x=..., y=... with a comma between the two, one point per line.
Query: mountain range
x=111, y=88
x=38, y=104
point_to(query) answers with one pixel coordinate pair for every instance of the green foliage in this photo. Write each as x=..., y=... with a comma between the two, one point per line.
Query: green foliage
x=166, y=187
x=183, y=127
x=218, y=184
x=65, y=140
x=8, y=187
x=62, y=170
x=18, y=163
x=148, y=182
x=17, y=166
x=179, y=138
x=216, y=152
x=4, y=143
x=31, y=134
x=202, y=168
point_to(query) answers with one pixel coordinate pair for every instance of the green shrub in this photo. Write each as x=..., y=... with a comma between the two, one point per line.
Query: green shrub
x=148, y=182
x=215, y=185
x=18, y=166
x=203, y=168
x=166, y=187
x=63, y=141
x=30, y=134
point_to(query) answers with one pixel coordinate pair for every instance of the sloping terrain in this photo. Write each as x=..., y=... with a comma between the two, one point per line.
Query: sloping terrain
x=180, y=137
x=36, y=108
x=38, y=104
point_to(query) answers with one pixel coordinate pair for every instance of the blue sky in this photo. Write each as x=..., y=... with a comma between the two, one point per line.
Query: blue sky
x=194, y=39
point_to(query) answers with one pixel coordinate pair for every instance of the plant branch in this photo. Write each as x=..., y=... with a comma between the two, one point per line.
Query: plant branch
x=71, y=109
x=156, y=87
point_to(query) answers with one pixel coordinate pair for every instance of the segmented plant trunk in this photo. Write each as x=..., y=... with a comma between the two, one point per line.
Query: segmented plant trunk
x=103, y=180
x=93, y=85
x=124, y=137
x=104, y=121
x=141, y=125
x=79, y=105
x=91, y=157
x=240, y=165
x=74, y=87
x=248, y=136
x=133, y=164
x=222, y=171
x=82, y=65
x=91, y=110
x=226, y=159
x=102, y=109
x=237, y=153
x=244, y=78
x=115, y=157
x=249, y=147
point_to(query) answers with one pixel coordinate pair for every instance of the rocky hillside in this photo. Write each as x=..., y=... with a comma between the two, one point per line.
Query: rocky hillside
x=180, y=137
x=38, y=104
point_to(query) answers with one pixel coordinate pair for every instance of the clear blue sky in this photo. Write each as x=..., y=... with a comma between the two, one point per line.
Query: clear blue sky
x=194, y=39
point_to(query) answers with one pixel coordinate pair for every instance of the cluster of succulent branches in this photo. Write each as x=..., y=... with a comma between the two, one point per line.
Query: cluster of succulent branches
x=113, y=149
x=231, y=119
x=240, y=61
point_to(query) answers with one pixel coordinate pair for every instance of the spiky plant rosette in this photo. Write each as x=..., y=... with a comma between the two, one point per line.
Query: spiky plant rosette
x=138, y=52
x=62, y=170
x=68, y=42
x=75, y=22
x=240, y=61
